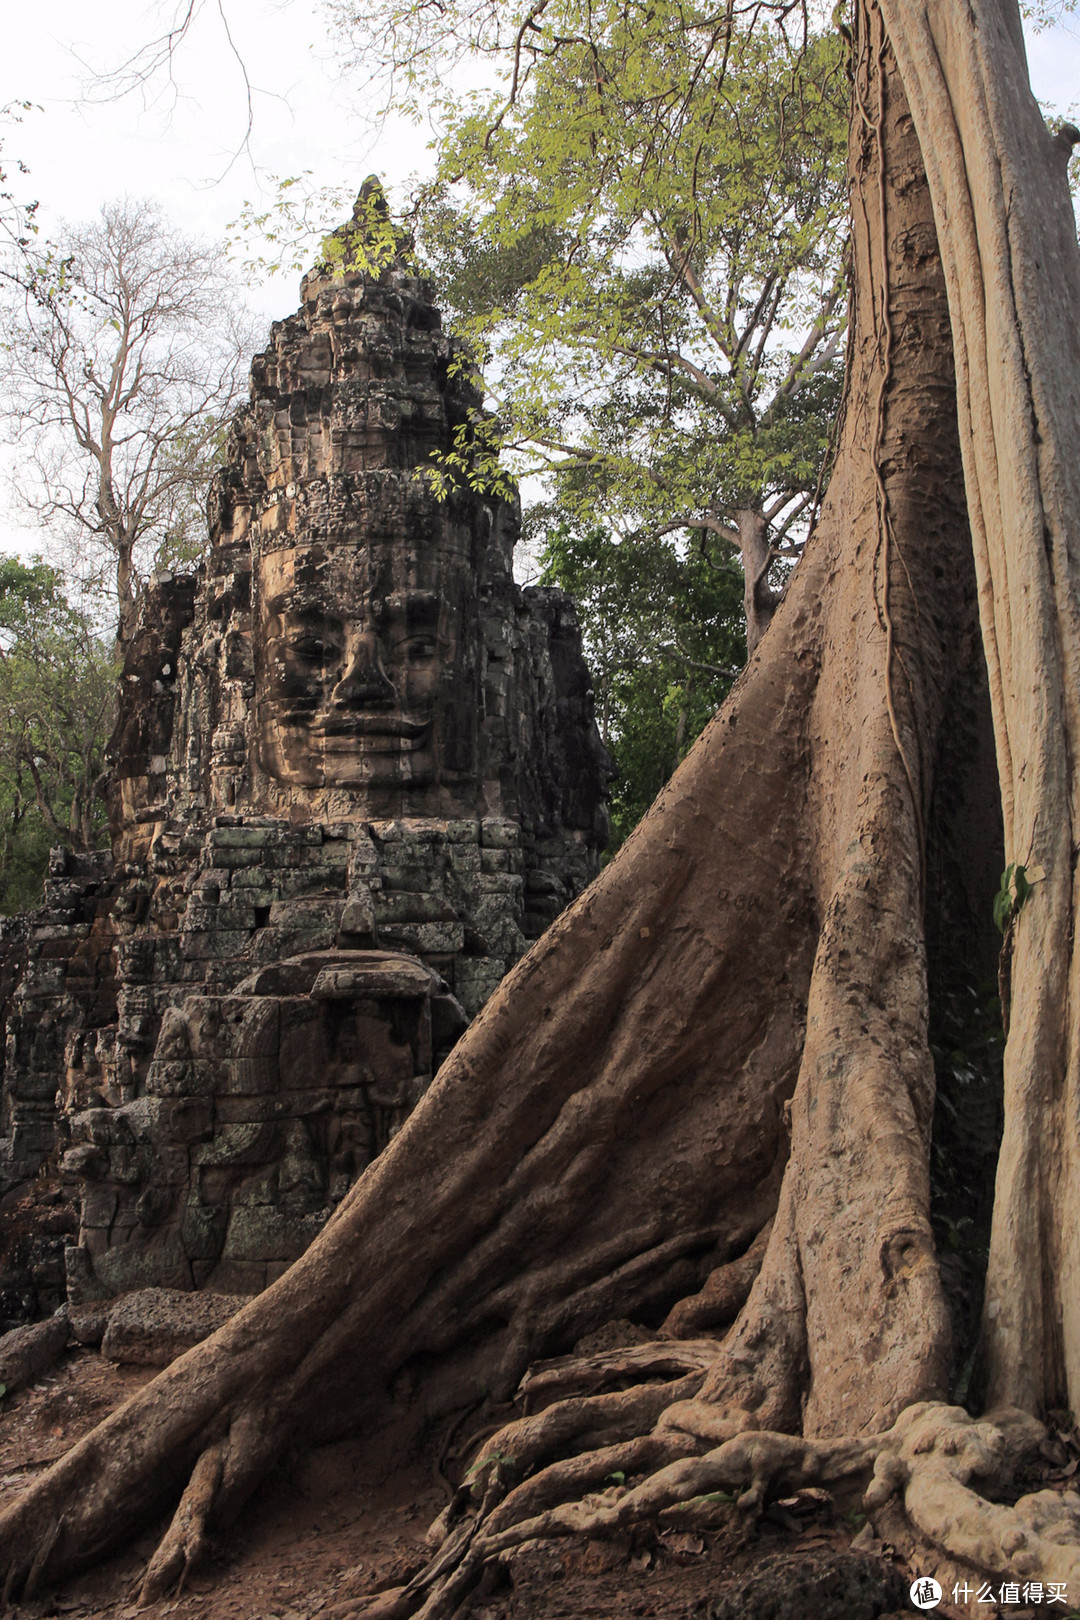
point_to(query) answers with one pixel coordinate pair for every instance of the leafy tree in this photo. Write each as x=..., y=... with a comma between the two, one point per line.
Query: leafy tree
x=124, y=349
x=663, y=637
x=57, y=697
x=642, y=229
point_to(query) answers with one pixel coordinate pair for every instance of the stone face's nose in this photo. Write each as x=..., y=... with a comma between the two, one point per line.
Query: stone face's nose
x=365, y=684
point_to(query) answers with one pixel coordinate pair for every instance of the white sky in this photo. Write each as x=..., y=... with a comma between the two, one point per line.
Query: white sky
x=175, y=146
x=179, y=144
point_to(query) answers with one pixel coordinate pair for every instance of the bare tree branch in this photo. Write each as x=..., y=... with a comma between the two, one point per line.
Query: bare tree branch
x=124, y=349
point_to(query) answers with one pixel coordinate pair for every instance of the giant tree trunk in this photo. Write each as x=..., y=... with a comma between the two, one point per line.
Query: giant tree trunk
x=730, y=1026
x=1008, y=243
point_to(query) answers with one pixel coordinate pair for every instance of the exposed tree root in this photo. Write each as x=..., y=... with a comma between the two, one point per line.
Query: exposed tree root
x=633, y=1363
x=725, y=1293
x=186, y=1536
x=580, y=1423
x=927, y=1460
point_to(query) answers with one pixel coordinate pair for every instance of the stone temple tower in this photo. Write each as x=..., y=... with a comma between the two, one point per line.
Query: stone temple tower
x=355, y=771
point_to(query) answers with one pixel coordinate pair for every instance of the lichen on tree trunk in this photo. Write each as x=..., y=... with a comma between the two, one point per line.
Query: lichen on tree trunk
x=728, y=1029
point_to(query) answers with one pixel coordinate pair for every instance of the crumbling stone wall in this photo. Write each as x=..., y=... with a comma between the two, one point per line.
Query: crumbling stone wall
x=350, y=751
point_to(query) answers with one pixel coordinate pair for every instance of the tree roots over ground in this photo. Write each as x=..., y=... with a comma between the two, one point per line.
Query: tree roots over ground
x=705, y=1101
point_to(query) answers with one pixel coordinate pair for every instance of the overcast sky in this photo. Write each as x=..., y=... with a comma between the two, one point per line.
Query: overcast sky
x=179, y=146
x=179, y=143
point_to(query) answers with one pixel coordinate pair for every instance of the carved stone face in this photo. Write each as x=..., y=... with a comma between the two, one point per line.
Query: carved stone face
x=355, y=645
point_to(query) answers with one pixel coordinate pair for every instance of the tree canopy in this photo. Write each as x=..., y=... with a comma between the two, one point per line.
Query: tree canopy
x=643, y=237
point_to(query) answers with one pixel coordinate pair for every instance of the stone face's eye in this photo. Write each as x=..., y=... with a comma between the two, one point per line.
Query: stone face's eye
x=421, y=647
x=311, y=649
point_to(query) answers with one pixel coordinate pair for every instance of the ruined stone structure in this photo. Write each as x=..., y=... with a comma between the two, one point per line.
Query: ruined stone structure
x=355, y=772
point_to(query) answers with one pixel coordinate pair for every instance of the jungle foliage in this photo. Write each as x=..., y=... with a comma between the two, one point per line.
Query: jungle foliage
x=641, y=234
x=57, y=695
x=664, y=639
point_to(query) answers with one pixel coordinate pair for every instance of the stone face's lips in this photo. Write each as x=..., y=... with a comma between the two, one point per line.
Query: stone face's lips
x=353, y=727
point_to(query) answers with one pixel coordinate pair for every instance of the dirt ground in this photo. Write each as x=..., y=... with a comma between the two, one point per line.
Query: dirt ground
x=328, y=1536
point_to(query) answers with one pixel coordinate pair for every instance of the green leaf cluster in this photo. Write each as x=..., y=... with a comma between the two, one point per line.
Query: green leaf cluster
x=1015, y=889
x=370, y=241
x=57, y=697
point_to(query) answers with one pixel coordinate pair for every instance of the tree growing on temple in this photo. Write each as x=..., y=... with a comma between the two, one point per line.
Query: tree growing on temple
x=123, y=350
x=706, y=1099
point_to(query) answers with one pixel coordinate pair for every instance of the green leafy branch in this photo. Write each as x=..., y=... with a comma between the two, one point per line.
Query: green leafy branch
x=1016, y=886
x=471, y=462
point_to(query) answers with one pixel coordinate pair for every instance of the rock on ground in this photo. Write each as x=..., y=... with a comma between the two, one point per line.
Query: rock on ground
x=27, y=1352
x=152, y=1327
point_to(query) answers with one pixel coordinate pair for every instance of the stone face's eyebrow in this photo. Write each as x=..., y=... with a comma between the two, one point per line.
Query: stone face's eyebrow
x=417, y=607
x=291, y=605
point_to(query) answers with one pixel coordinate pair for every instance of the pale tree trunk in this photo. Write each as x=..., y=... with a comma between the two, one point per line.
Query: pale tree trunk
x=729, y=1029
x=851, y=1255
x=1008, y=245
x=759, y=602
